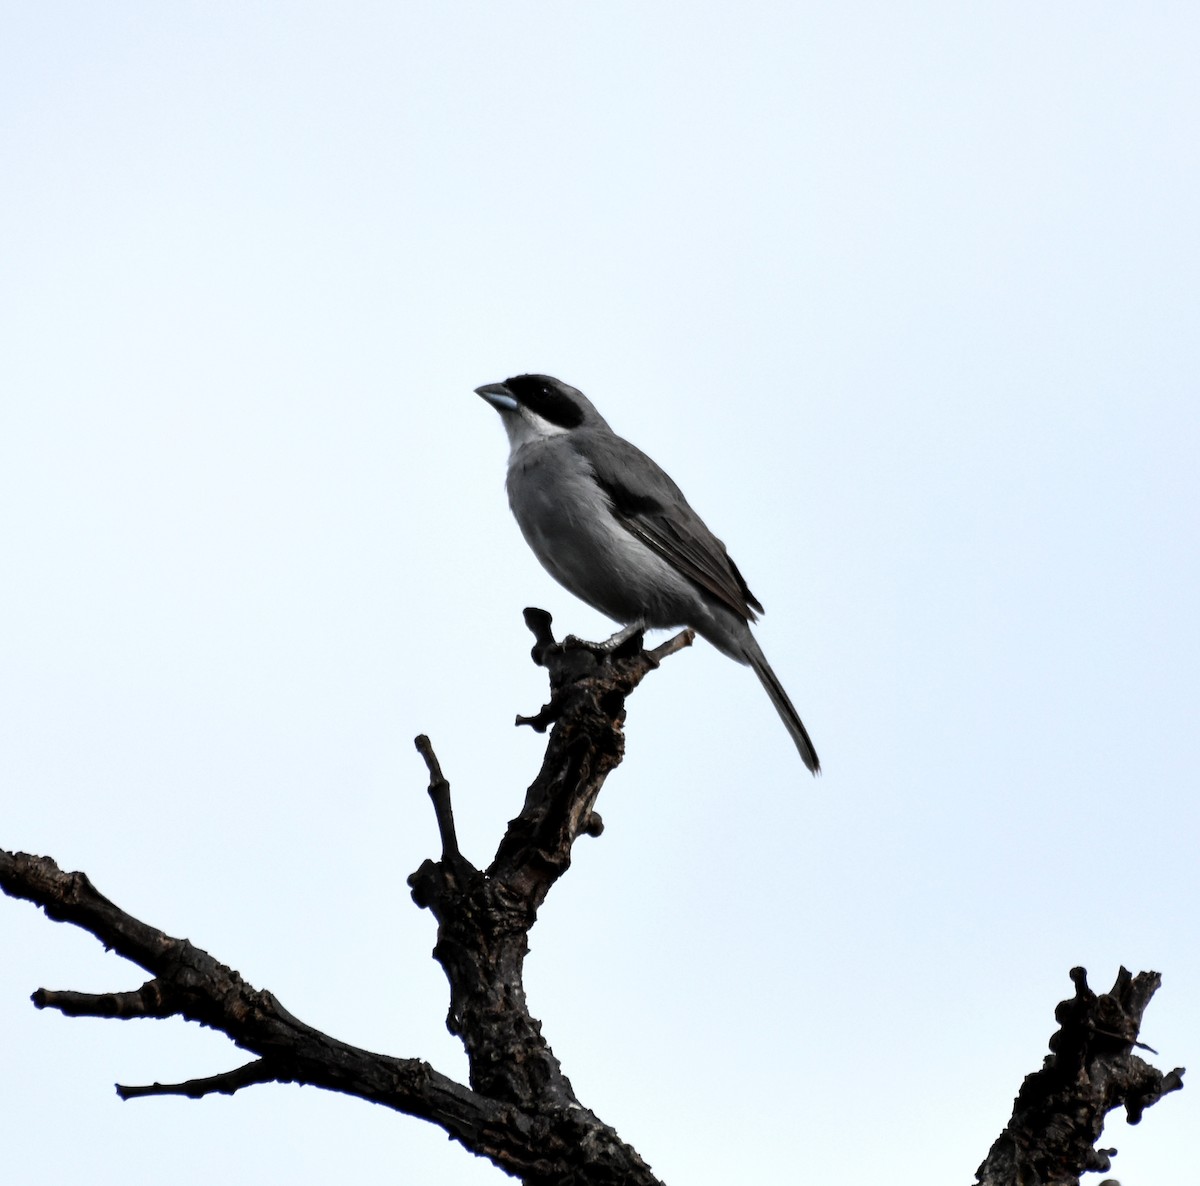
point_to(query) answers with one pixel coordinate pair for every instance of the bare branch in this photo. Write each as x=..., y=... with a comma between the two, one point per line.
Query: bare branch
x=676, y=642
x=484, y=917
x=439, y=792
x=520, y=1110
x=530, y=1144
x=1059, y=1113
x=259, y=1071
x=151, y=1000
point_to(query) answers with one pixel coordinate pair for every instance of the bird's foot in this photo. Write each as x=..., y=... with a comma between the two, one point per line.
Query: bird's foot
x=627, y=640
x=574, y=659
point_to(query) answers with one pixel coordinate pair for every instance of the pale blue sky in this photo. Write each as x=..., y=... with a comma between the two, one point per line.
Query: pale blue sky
x=903, y=296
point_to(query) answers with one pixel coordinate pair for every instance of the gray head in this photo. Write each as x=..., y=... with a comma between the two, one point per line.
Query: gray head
x=534, y=407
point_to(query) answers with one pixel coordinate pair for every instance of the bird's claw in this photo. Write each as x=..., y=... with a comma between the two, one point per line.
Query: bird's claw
x=627, y=640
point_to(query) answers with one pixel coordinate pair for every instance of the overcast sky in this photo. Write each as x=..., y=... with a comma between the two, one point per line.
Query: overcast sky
x=904, y=296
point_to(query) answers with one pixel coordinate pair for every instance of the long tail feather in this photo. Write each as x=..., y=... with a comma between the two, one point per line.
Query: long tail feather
x=783, y=706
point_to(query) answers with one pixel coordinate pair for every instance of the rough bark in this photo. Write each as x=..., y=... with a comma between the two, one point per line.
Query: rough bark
x=519, y=1109
x=1059, y=1113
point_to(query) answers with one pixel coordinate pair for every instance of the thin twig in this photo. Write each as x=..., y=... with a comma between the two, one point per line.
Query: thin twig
x=151, y=1000
x=439, y=792
x=676, y=642
x=226, y=1083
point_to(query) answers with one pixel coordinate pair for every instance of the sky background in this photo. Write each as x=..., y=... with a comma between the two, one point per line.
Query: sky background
x=905, y=299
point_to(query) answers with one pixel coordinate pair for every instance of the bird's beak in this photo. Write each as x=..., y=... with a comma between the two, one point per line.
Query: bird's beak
x=498, y=396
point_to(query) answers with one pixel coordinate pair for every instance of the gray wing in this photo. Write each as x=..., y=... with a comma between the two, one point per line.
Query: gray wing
x=651, y=507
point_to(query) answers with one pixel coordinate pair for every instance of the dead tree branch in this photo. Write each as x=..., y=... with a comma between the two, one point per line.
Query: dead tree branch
x=1059, y=1113
x=519, y=1109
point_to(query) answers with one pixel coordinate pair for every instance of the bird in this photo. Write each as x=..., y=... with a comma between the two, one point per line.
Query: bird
x=610, y=526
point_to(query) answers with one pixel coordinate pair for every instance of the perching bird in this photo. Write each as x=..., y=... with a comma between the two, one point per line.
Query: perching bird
x=607, y=523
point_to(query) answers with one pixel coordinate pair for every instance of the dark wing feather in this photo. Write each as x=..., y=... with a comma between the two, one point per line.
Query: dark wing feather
x=651, y=507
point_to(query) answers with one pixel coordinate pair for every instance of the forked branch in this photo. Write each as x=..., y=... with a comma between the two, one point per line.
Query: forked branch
x=519, y=1110
x=1059, y=1113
